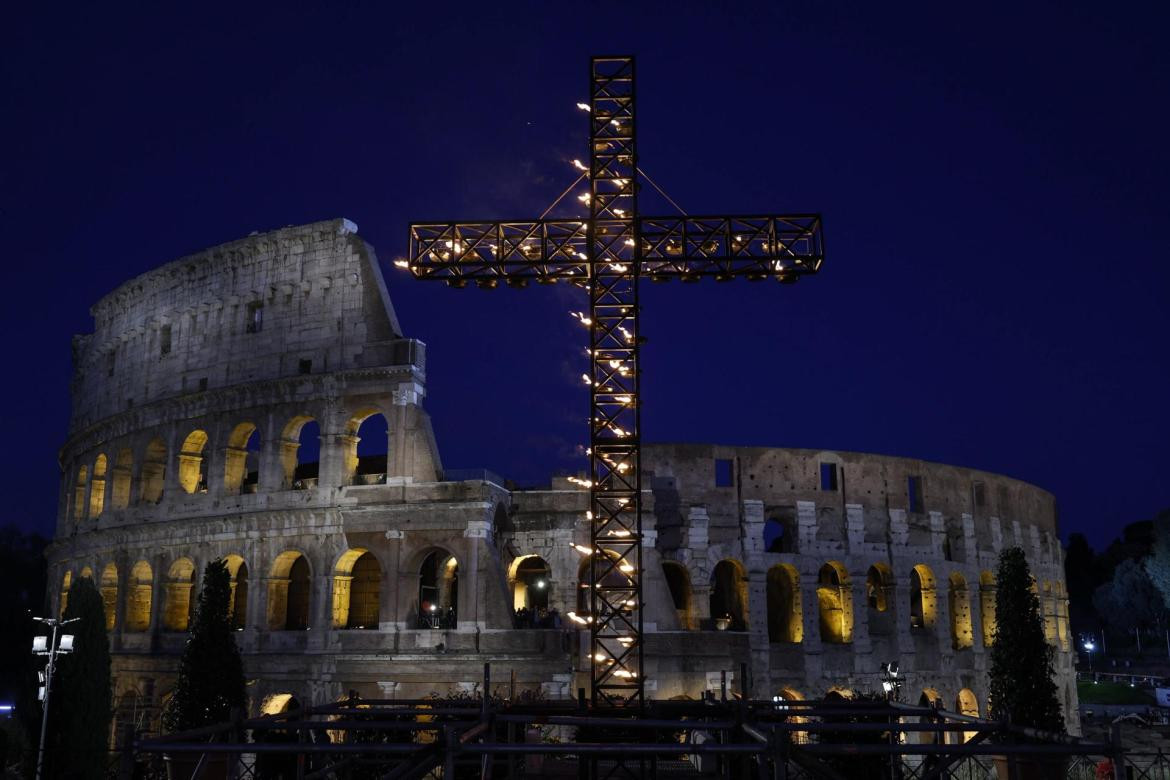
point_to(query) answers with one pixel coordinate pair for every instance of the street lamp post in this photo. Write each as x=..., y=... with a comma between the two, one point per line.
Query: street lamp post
x=1089, y=646
x=48, y=645
x=892, y=686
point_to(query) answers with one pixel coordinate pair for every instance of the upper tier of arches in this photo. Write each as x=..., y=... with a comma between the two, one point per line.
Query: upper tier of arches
x=230, y=457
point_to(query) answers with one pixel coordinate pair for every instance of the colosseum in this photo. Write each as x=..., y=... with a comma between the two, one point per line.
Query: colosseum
x=259, y=402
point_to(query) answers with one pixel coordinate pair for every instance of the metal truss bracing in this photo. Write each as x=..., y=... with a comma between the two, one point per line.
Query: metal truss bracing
x=607, y=254
x=615, y=567
x=783, y=247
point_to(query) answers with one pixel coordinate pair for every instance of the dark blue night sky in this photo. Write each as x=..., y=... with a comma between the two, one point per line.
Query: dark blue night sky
x=993, y=182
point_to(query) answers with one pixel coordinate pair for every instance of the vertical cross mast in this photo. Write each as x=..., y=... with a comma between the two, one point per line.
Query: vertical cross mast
x=613, y=251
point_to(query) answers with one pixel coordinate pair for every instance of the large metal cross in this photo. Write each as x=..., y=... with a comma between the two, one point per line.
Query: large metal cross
x=607, y=254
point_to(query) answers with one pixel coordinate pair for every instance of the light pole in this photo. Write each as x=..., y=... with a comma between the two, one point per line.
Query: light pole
x=1089, y=646
x=891, y=686
x=48, y=645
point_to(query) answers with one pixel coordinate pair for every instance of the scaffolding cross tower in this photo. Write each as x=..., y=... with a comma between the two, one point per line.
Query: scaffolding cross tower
x=607, y=255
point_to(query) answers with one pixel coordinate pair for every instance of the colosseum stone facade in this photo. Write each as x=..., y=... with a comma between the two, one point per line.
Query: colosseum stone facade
x=217, y=412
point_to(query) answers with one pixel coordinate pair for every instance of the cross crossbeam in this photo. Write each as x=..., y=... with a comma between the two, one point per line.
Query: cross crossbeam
x=607, y=254
x=783, y=247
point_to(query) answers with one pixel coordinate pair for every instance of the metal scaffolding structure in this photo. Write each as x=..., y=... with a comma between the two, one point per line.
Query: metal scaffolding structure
x=506, y=735
x=607, y=255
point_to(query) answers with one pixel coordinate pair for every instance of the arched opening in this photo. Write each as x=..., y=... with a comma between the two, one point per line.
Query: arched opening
x=241, y=460
x=238, y=601
x=63, y=601
x=192, y=464
x=180, y=581
x=959, y=601
x=728, y=600
x=279, y=704
x=97, y=487
x=154, y=470
x=130, y=709
x=678, y=580
x=300, y=453
x=140, y=598
x=987, y=607
x=357, y=587
x=835, y=599
x=365, y=448
x=288, y=593
x=123, y=470
x=79, y=505
x=967, y=704
x=785, y=612
x=930, y=698
x=438, y=591
x=780, y=534
x=780, y=700
x=530, y=590
x=879, y=583
x=923, y=598
x=109, y=590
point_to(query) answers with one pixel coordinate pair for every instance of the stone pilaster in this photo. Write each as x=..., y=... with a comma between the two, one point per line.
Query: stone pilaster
x=938, y=532
x=698, y=526
x=806, y=525
x=899, y=530
x=855, y=532
x=970, y=548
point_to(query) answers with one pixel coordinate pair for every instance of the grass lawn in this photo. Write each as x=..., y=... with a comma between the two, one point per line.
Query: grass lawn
x=1111, y=693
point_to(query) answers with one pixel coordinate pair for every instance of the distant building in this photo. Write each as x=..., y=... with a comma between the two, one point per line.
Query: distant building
x=217, y=412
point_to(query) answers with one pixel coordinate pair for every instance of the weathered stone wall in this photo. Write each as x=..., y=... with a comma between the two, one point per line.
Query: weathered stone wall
x=155, y=489
x=245, y=311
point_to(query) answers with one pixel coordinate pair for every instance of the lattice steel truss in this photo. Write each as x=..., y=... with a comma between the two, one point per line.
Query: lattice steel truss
x=607, y=255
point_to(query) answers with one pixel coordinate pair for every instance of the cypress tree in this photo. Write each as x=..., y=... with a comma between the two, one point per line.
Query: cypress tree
x=80, y=704
x=1022, y=690
x=211, y=672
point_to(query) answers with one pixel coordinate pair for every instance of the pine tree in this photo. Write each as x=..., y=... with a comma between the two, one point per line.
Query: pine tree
x=80, y=704
x=1022, y=690
x=211, y=672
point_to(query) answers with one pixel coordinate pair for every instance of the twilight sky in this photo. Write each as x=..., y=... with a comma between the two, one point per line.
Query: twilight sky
x=992, y=179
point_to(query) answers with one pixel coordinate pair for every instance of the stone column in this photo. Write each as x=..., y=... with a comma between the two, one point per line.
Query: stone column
x=698, y=526
x=996, y=534
x=392, y=611
x=899, y=530
x=970, y=547
x=855, y=531
x=171, y=487
x=333, y=468
x=120, y=600
x=900, y=594
x=657, y=606
x=752, y=542
x=158, y=594
x=938, y=532
x=862, y=646
x=806, y=520
x=810, y=612
x=271, y=476
x=320, y=605
x=475, y=614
